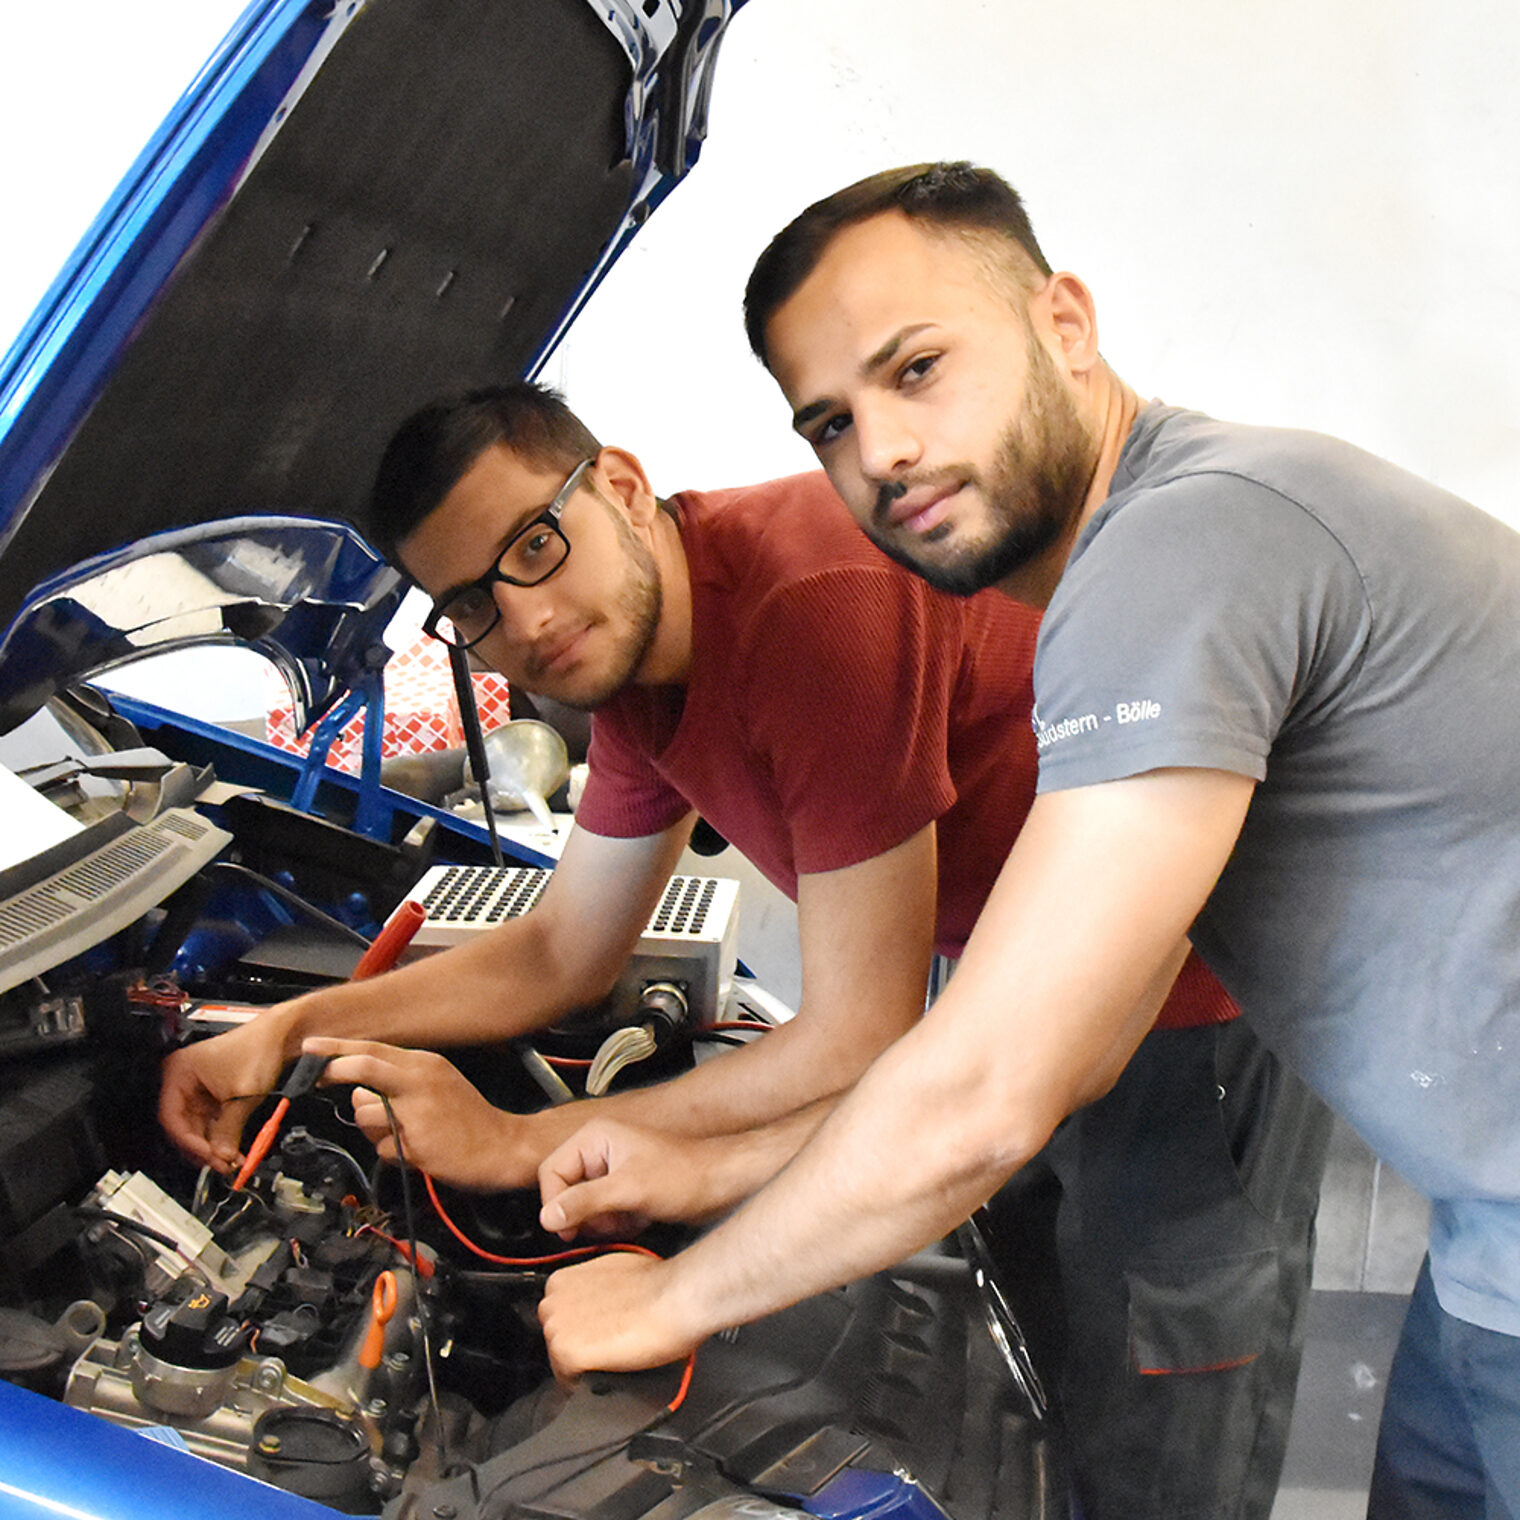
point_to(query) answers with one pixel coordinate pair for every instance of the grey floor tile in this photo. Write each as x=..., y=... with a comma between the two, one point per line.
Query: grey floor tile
x=1318, y=1504
x=1372, y=1225
x=1398, y=1236
x=1345, y=1213
x=1349, y=1348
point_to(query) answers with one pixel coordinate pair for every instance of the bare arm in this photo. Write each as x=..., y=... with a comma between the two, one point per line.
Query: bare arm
x=564, y=954
x=612, y=1179
x=1067, y=967
x=867, y=936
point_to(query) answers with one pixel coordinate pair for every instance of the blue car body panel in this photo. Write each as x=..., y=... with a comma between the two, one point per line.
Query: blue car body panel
x=56, y=1461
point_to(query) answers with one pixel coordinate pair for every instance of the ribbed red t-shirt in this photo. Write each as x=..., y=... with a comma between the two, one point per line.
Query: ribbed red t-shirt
x=835, y=705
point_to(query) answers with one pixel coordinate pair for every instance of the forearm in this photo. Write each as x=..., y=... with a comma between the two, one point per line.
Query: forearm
x=506, y=1150
x=775, y=1074
x=731, y=1168
x=790, y=1068
x=739, y=1153
x=1068, y=965
x=859, y=1196
x=488, y=990
x=1057, y=986
x=865, y=933
x=612, y=1178
x=853, y=1200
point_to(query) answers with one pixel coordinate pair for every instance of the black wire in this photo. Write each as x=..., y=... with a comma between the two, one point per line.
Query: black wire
x=123, y=1225
x=90, y=1211
x=292, y=899
x=474, y=741
x=527, y=1277
x=716, y=1037
x=409, y=1217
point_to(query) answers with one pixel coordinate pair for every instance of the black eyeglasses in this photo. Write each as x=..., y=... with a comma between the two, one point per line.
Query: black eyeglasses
x=466, y=615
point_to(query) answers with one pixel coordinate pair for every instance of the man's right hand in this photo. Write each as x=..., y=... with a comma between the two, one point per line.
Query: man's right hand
x=207, y=1090
x=610, y=1179
x=447, y=1127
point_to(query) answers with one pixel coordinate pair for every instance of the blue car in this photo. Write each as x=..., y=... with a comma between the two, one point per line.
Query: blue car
x=358, y=205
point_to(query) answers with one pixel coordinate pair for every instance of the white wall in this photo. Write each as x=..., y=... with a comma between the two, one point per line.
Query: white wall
x=1300, y=211
x=1290, y=211
x=83, y=85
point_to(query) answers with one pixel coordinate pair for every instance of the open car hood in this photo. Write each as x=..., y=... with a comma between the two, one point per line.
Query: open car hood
x=357, y=206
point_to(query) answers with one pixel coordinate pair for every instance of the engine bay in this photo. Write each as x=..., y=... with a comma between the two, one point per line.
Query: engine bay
x=346, y=1331
x=323, y=1333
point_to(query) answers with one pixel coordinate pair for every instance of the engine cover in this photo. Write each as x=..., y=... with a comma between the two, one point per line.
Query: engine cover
x=886, y=1398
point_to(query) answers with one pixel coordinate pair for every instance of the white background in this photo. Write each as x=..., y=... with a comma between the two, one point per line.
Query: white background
x=1290, y=211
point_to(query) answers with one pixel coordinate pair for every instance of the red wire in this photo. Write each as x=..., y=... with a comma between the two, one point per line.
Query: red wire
x=685, y=1388
x=573, y=1254
x=754, y=1024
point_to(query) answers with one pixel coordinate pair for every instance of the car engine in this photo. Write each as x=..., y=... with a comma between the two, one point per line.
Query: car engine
x=325, y=1330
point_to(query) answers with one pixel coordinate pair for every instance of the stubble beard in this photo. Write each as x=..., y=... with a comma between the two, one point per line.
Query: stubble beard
x=1034, y=492
x=638, y=606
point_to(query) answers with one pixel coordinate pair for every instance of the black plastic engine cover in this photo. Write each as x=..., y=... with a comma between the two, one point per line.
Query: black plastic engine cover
x=894, y=1374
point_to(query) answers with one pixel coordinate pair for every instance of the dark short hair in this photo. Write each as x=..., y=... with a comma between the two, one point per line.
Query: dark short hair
x=958, y=197
x=435, y=447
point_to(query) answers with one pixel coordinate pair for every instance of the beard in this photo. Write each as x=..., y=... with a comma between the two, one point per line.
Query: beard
x=1034, y=491
x=637, y=607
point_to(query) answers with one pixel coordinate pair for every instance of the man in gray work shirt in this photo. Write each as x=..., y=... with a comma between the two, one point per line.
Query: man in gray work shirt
x=1254, y=601
x=1274, y=705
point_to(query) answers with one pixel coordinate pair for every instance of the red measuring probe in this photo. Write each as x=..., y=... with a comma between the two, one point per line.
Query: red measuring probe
x=386, y=947
x=383, y=952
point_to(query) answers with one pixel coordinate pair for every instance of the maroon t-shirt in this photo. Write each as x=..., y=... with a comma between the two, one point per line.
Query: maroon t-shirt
x=835, y=705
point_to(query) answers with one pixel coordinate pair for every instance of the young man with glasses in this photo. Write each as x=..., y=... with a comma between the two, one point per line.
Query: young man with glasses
x=866, y=742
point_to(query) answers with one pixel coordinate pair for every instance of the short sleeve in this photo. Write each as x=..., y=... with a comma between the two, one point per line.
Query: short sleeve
x=1197, y=621
x=625, y=796
x=850, y=675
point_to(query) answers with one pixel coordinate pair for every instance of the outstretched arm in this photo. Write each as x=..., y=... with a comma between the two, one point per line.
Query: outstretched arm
x=564, y=954
x=1067, y=967
x=612, y=1179
x=866, y=934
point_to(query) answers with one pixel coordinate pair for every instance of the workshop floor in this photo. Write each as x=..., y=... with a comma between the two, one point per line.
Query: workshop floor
x=1372, y=1229
x=1340, y=1395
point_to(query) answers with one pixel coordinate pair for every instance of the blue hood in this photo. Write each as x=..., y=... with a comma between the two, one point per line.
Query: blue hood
x=355, y=208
